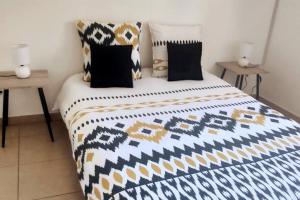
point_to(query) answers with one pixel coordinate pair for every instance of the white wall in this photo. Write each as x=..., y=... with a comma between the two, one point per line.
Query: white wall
x=47, y=25
x=282, y=85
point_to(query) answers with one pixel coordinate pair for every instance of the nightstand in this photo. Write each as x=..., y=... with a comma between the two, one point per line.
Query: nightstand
x=38, y=79
x=241, y=72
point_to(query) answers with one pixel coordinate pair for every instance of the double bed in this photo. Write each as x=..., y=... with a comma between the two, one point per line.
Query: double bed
x=179, y=140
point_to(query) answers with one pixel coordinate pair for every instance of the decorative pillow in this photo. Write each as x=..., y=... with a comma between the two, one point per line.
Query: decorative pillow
x=111, y=66
x=109, y=34
x=161, y=35
x=184, y=61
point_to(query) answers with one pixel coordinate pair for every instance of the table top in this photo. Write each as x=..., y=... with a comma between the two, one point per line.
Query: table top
x=234, y=67
x=8, y=79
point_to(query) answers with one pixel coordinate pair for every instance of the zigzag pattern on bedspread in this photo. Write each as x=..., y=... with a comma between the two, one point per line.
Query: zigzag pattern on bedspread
x=223, y=146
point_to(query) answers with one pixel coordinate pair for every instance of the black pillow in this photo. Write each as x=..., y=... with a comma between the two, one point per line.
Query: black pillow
x=184, y=61
x=111, y=66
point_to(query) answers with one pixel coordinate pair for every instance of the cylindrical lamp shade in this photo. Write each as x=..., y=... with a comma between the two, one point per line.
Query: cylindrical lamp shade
x=21, y=54
x=246, y=49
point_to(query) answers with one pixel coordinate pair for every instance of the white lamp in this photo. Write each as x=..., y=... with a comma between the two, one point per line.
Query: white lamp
x=246, y=50
x=21, y=59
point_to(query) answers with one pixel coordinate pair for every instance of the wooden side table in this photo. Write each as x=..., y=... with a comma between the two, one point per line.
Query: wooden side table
x=241, y=72
x=8, y=80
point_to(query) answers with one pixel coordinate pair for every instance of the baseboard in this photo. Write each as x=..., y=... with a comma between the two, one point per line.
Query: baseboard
x=31, y=119
x=280, y=109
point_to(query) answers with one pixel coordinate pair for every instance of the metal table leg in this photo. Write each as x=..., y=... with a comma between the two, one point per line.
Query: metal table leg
x=257, y=86
x=223, y=73
x=237, y=81
x=5, y=115
x=241, y=82
x=46, y=112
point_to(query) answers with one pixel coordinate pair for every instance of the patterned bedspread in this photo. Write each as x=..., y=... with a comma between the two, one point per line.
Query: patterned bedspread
x=182, y=140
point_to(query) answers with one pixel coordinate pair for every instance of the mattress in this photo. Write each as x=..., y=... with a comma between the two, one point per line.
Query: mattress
x=179, y=140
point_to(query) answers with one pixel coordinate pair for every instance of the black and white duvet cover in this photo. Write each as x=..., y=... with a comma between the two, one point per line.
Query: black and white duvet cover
x=180, y=140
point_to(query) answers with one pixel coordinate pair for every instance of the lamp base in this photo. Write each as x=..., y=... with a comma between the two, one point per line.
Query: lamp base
x=243, y=62
x=23, y=72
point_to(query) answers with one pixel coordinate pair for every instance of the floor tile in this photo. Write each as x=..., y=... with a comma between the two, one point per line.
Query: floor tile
x=40, y=128
x=40, y=180
x=33, y=129
x=9, y=183
x=12, y=132
x=37, y=148
x=73, y=196
x=59, y=128
x=9, y=154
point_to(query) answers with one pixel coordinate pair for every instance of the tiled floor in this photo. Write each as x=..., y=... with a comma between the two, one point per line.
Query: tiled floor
x=32, y=167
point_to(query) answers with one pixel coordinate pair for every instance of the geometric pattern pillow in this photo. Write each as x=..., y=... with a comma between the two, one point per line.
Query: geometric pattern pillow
x=108, y=34
x=161, y=35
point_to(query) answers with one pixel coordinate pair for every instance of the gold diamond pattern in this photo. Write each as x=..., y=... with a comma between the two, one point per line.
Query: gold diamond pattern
x=257, y=117
x=80, y=25
x=158, y=132
x=119, y=34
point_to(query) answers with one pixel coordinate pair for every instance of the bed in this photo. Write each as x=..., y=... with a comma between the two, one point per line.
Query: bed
x=179, y=140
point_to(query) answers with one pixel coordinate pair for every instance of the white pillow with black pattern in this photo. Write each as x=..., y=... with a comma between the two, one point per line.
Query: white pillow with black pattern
x=109, y=34
x=162, y=34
